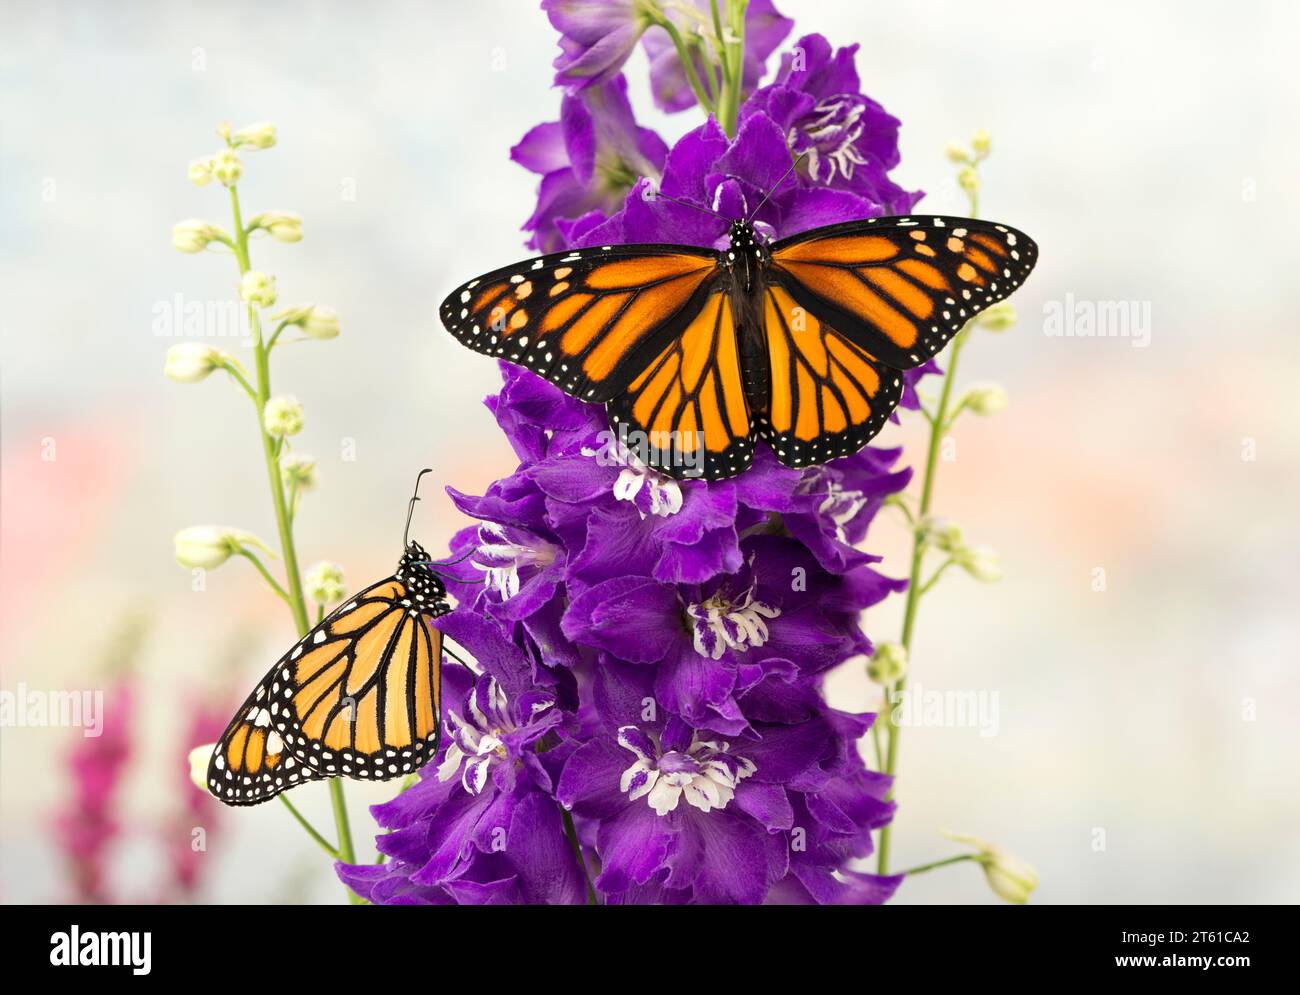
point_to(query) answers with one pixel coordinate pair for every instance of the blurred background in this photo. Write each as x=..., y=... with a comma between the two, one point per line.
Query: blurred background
x=1142, y=646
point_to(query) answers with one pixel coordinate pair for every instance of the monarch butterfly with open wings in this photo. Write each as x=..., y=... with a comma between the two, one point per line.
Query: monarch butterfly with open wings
x=696, y=353
x=357, y=696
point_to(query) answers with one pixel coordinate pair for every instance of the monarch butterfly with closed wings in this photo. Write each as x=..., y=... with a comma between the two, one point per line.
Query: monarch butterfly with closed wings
x=358, y=696
x=696, y=352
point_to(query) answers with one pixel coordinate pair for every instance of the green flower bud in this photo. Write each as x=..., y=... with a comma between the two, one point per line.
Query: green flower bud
x=300, y=471
x=283, y=226
x=980, y=562
x=209, y=546
x=957, y=152
x=998, y=318
x=227, y=167
x=194, y=234
x=201, y=171
x=969, y=179
x=324, y=583
x=257, y=288
x=190, y=362
x=282, y=416
x=223, y=130
x=1011, y=878
x=980, y=143
x=985, y=399
x=258, y=136
x=888, y=664
x=315, y=320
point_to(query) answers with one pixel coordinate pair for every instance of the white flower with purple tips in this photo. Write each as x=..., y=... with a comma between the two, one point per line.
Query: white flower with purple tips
x=705, y=774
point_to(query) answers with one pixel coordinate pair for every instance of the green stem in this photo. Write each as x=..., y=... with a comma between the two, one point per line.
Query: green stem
x=240, y=379
x=914, y=586
x=275, y=335
x=346, y=853
x=266, y=574
x=270, y=453
x=687, y=57
x=311, y=830
x=571, y=832
x=934, y=577
x=941, y=863
x=733, y=65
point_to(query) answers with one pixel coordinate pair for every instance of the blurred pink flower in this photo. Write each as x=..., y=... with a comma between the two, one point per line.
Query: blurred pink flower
x=87, y=828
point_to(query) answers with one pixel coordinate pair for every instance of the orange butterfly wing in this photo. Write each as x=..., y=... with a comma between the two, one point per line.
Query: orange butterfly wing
x=688, y=405
x=588, y=320
x=900, y=288
x=358, y=696
x=827, y=396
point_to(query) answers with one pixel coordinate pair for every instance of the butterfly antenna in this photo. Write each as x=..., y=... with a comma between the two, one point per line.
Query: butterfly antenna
x=685, y=203
x=449, y=563
x=410, y=508
x=793, y=166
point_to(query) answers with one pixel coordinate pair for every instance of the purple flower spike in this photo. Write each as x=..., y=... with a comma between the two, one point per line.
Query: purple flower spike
x=640, y=716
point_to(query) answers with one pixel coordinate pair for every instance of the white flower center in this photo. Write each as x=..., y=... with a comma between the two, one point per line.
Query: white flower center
x=505, y=559
x=476, y=742
x=834, y=128
x=664, y=492
x=720, y=624
x=705, y=774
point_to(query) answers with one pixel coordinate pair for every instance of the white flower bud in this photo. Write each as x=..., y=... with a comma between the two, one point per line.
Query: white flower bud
x=980, y=143
x=957, y=152
x=257, y=288
x=980, y=562
x=300, y=471
x=283, y=226
x=199, y=757
x=985, y=399
x=324, y=583
x=969, y=179
x=209, y=546
x=282, y=416
x=228, y=167
x=258, y=136
x=190, y=362
x=888, y=664
x=998, y=318
x=201, y=171
x=315, y=320
x=194, y=234
x=1011, y=878
x=223, y=130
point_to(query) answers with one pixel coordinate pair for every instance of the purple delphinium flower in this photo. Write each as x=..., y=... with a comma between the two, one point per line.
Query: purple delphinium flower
x=596, y=37
x=765, y=29
x=483, y=827
x=588, y=160
x=848, y=140
x=680, y=815
x=642, y=719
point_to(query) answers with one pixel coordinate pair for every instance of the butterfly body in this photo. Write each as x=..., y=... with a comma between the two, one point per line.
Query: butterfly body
x=746, y=260
x=357, y=696
x=697, y=353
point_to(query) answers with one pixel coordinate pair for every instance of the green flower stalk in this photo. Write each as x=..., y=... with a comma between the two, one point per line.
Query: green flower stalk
x=277, y=417
x=930, y=536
